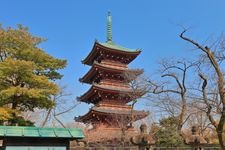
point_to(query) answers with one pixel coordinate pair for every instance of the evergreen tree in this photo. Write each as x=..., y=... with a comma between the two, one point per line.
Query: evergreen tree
x=167, y=134
x=26, y=74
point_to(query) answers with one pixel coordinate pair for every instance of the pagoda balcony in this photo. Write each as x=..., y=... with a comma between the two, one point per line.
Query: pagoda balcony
x=99, y=71
x=114, y=105
x=113, y=64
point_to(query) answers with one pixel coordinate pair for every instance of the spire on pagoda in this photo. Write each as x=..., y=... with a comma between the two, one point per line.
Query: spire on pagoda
x=109, y=28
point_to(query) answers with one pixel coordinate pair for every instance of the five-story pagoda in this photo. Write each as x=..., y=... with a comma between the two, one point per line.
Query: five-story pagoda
x=110, y=92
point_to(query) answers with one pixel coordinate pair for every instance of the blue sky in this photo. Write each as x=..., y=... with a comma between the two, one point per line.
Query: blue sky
x=72, y=26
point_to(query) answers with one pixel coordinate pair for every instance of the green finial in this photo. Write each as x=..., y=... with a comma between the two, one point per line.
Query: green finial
x=109, y=27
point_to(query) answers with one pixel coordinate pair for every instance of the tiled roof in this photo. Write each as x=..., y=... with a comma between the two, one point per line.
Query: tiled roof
x=87, y=78
x=86, y=97
x=114, y=46
x=94, y=87
x=111, y=111
x=20, y=131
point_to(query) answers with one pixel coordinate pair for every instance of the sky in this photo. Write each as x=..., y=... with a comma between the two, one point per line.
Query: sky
x=72, y=26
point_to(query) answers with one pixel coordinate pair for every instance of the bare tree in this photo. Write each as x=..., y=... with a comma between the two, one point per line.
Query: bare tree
x=172, y=92
x=62, y=106
x=138, y=88
x=216, y=101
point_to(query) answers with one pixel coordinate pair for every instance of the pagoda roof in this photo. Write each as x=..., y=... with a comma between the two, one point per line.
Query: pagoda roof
x=114, y=46
x=111, y=47
x=106, y=111
x=114, y=89
x=87, y=78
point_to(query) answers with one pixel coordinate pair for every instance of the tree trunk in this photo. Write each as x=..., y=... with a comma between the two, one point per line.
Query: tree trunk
x=220, y=129
x=182, y=114
x=46, y=118
x=220, y=84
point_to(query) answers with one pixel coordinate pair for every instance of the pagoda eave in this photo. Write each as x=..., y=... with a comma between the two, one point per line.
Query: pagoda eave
x=95, y=52
x=88, y=77
x=98, y=112
x=100, y=88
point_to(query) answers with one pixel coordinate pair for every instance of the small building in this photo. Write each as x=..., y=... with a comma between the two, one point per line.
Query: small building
x=34, y=138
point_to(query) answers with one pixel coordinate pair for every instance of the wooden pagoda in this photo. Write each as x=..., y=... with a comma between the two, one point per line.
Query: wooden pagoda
x=110, y=92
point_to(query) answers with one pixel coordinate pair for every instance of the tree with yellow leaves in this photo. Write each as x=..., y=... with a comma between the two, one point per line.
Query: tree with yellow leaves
x=26, y=74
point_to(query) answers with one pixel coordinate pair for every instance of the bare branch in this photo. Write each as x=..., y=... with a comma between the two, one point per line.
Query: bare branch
x=176, y=78
x=192, y=41
x=209, y=107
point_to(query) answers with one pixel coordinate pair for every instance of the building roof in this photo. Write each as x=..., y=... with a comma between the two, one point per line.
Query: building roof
x=109, y=111
x=103, y=88
x=115, y=46
x=120, y=91
x=21, y=131
x=111, y=48
x=88, y=77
